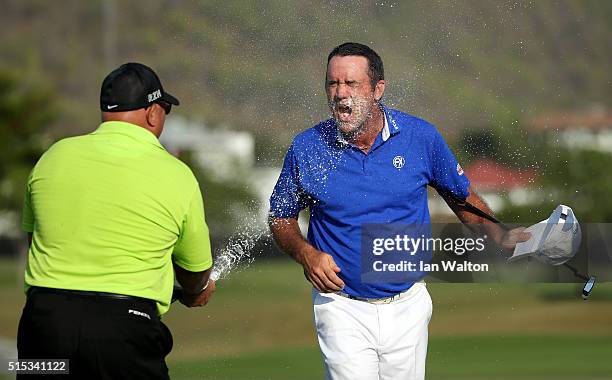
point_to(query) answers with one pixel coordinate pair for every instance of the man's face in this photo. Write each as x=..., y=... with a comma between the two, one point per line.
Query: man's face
x=349, y=92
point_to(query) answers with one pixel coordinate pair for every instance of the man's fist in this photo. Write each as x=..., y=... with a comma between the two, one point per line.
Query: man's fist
x=321, y=270
x=516, y=235
x=200, y=299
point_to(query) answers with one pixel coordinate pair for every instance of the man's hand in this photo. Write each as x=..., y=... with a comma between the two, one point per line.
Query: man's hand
x=511, y=237
x=507, y=239
x=320, y=269
x=200, y=299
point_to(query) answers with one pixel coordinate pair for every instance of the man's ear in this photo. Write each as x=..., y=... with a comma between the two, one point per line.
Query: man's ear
x=153, y=115
x=379, y=90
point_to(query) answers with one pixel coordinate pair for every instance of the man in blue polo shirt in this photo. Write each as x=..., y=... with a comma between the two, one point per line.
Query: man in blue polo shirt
x=367, y=164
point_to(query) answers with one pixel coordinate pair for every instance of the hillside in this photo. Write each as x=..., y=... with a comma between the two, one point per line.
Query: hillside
x=260, y=65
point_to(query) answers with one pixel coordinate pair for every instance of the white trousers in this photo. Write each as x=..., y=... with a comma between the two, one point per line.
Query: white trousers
x=359, y=340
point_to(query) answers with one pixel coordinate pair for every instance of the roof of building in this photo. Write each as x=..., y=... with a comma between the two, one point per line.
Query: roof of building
x=596, y=118
x=488, y=175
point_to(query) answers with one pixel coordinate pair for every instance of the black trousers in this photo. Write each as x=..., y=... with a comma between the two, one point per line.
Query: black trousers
x=104, y=338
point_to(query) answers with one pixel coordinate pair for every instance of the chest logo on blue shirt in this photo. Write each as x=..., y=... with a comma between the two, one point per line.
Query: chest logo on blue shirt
x=399, y=162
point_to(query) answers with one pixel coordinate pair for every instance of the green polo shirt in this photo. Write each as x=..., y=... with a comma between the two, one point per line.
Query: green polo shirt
x=110, y=211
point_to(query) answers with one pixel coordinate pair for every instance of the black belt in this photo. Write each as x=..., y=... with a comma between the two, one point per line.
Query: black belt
x=86, y=293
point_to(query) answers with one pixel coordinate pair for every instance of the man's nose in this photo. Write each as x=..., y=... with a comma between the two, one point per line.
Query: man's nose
x=342, y=91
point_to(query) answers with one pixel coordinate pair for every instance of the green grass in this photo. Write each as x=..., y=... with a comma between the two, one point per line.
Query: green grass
x=259, y=326
x=295, y=363
x=524, y=357
x=512, y=357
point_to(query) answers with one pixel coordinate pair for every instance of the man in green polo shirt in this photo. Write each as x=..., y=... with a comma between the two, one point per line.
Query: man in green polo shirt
x=112, y=217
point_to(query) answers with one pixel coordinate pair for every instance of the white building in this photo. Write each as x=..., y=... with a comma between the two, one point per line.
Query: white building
x=589, y=130
x=222, y=152
x=226, y=154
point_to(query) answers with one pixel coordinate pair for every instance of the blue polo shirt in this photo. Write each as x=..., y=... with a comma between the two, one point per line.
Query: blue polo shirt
x=345, y=188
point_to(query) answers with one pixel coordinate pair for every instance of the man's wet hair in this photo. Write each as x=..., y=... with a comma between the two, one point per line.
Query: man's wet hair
x=376, y=70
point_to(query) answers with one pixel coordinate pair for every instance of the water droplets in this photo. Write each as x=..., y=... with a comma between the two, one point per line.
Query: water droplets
x=238, y=252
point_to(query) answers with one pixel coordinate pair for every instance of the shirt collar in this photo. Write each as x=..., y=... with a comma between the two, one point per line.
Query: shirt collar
x=128, y=129
x=387, y=130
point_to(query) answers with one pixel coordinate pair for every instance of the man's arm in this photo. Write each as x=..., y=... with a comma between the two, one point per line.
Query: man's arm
x=198, y=288
x=193, y=251
x=319, y=267
x=505, y=238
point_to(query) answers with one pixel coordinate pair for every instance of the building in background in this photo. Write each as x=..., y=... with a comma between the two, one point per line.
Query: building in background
x=226, y=154
x=590, y=129
x=222, y=152
x=496, y=183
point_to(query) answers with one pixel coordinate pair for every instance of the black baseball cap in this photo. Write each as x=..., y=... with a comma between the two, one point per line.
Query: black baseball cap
x=132, y=86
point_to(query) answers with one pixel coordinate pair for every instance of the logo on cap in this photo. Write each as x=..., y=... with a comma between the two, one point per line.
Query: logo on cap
x=132, y=86
x=154, y=96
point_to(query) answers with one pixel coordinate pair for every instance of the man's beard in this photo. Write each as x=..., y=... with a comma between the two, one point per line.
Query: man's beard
x=351, y=115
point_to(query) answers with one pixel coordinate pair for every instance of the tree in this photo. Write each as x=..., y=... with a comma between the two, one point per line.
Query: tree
x=576, y=178
x=26, y=108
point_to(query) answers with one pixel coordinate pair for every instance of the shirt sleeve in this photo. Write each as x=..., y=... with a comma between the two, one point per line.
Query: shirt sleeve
x=27, y=215
x=288, y=198
x=192, y=251
x=447, y=175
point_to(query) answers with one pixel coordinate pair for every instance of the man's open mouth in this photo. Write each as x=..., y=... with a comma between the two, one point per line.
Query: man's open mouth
x=344, y=111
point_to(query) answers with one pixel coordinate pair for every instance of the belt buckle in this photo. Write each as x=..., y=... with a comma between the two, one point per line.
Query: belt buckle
x=380, y=301
x=374, y=301
x=388, y=300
